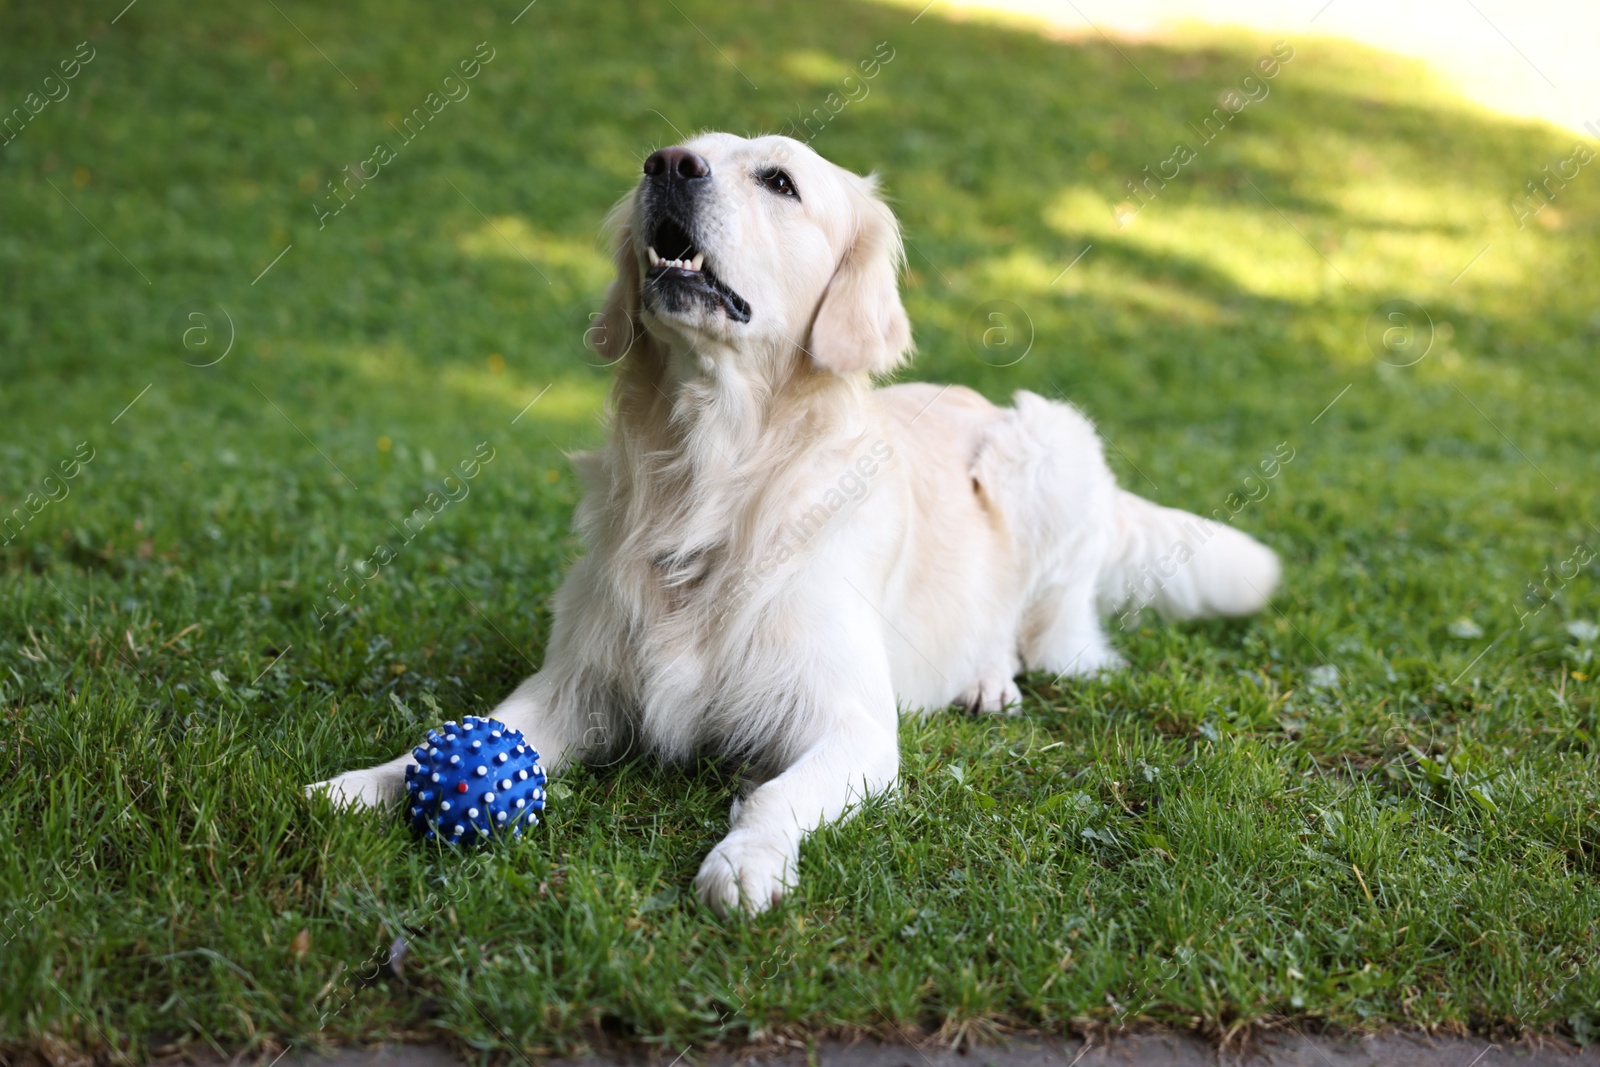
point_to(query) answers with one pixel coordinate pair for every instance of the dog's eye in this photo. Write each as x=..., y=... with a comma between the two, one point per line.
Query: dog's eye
x=778, y=181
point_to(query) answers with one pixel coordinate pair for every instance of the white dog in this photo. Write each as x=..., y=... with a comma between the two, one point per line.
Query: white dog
x=780, y=557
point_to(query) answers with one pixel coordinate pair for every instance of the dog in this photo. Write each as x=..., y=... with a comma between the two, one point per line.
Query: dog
x=781, y=558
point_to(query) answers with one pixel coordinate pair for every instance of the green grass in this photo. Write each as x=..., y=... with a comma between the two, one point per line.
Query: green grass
x=1337, y=814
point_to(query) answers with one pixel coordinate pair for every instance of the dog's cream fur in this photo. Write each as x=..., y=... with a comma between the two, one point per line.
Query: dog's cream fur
x=781, y=558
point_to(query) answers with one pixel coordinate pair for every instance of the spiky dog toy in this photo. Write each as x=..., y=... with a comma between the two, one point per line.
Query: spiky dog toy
x=474, y=781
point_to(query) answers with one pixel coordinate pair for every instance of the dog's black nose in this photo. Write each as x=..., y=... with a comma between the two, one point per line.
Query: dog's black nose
x=676, y=164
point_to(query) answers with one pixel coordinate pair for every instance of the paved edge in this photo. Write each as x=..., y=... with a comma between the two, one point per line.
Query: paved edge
x=1285, y=1049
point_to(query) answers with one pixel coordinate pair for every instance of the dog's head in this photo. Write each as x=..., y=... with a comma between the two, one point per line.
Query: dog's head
x=738, y=244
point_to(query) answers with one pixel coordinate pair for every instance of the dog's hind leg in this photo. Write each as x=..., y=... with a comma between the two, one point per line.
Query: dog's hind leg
x=1061, y=633
x=995, y=691
x=1043, y=466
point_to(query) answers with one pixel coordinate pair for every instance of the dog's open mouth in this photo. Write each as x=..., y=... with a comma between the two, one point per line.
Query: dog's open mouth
x=678, y=274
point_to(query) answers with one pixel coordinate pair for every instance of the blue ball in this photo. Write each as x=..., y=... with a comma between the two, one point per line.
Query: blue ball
x=473, y=782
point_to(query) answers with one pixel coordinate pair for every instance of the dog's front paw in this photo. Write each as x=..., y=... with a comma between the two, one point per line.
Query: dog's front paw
x=355, y=789
x=747, y=870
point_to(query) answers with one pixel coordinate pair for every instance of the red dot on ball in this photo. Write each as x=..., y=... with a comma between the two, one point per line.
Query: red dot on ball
x=461, y=787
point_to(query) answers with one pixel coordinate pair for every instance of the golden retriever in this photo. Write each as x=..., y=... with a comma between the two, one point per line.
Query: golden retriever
x=782, y=558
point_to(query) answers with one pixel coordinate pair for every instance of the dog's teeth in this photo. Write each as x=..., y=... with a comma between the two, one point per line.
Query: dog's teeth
x=680, y=264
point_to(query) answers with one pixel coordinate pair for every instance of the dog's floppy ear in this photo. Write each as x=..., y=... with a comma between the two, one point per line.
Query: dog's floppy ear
x=861, y=324
x=615, y=330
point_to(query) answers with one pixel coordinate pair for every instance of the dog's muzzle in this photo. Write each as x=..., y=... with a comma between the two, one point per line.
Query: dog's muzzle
x=678, y=277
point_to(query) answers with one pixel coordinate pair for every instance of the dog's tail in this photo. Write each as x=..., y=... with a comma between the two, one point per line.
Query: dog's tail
x=1182, y=565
